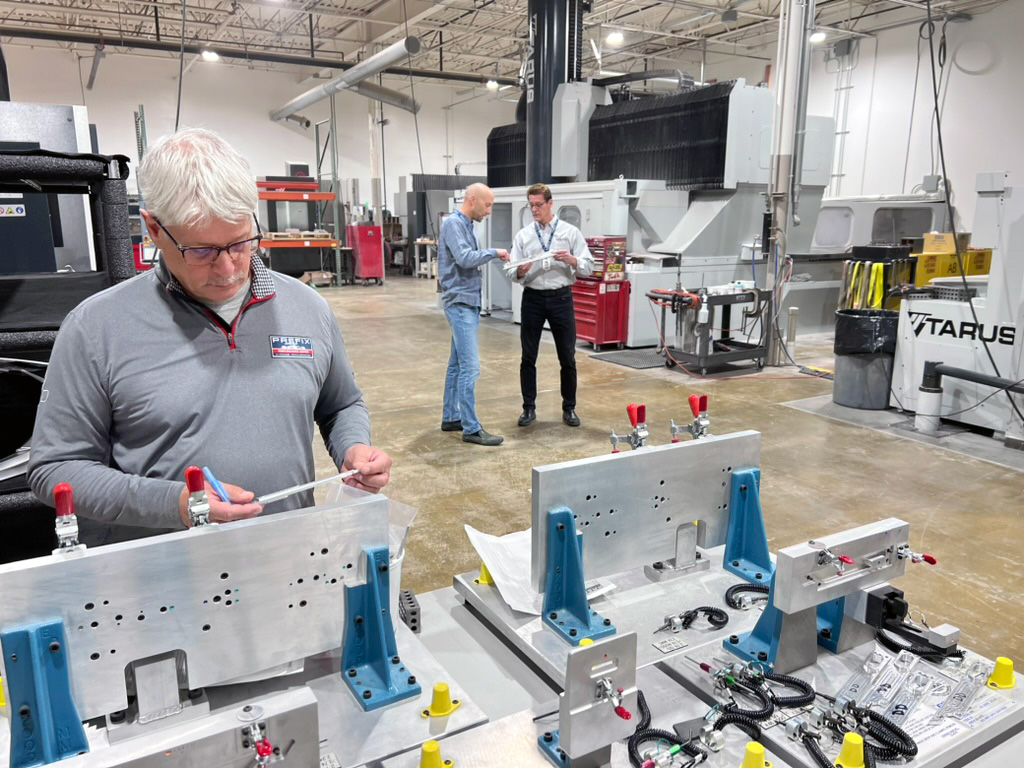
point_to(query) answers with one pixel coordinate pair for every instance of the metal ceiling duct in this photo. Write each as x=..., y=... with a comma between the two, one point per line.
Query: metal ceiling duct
x=386, y=96
x=371, y=66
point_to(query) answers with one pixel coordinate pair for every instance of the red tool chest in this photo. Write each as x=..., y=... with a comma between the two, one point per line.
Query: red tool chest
x=601, y=301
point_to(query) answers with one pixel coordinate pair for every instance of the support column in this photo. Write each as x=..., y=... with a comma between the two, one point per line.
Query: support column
x=546, y=69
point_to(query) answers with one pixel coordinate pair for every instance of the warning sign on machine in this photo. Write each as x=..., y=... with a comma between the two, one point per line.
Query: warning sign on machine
x=12, y=210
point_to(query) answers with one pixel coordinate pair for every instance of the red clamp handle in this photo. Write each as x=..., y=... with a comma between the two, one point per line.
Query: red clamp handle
x=63, y=499
x=846, y=560
x=703, y=403
x=641, y=414
x=623, y=713
x=264, y=748
x=194, y=480
x=631, y=411
x=930, y=559
x=695, y=405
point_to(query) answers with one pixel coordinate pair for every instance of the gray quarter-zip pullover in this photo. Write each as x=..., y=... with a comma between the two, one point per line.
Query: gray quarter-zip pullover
x=143, y=382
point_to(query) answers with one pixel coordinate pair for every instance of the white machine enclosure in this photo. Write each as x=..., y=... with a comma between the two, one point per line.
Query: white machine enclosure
x=699, y=238
x=945, y=331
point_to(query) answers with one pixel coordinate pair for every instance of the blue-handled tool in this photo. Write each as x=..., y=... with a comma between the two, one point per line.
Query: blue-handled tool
x=215, y=484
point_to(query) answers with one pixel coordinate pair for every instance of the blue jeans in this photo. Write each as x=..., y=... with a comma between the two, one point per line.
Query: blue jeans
x=463, y=368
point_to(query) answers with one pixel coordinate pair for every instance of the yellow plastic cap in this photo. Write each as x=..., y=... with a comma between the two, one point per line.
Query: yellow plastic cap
x=852, y=753
x=1002, y=675
x=485, y=576
x=441, y=705
x=754, y=757
x=585, y=642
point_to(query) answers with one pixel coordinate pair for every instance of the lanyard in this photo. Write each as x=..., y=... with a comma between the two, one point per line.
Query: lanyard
x=540, y=238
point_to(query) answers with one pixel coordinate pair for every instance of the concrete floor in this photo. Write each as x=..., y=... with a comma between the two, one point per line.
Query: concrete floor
x=818, y=476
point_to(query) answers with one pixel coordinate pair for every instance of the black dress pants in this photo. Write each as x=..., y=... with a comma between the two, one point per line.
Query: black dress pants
x=555, y=307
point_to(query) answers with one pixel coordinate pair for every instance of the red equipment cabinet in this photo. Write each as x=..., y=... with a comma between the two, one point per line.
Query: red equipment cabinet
x=602, y=310
x=367, y=244
x=601, y=301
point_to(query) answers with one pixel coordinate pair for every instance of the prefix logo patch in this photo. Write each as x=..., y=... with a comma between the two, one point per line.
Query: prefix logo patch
x=291, y=346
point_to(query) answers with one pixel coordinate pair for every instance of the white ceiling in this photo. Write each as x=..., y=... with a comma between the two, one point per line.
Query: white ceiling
x=461, y=39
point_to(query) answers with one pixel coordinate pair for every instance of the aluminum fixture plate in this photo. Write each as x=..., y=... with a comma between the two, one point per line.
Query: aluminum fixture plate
x=237, y=598
x=216, y=740
x=629, y=505
x=997, y=715
x=512, y=741
x=586, y=722
x=635, y=605
x=355, y=737
x=801, y=581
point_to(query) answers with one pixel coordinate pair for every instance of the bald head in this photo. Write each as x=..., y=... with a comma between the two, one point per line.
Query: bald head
x=476, y=205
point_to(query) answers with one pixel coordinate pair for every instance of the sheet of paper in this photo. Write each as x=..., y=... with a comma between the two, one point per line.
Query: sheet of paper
x=508, y=560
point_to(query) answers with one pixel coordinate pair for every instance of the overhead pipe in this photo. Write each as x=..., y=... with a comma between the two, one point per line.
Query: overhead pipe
x=95, y=67
x=145, y=44
x=364, y=69
x=684, y=79
x=386, y=96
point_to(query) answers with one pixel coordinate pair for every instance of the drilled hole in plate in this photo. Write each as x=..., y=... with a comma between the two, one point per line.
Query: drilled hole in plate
x=216, y=598
x=206, y=627
x=324, y=551
x=89, y=606
x=94, y=656
x=224, y=575
x=302, y=603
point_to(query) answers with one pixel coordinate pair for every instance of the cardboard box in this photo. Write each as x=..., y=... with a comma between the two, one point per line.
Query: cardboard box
x=978, y=261
x=317, y=278
x=942, y=242
x=932, y=265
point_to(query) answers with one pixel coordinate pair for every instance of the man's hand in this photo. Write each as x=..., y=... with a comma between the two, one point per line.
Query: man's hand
x=374, y=467
x=566, y=258
x=523, y=269
x=502, y=254
x=221, y=511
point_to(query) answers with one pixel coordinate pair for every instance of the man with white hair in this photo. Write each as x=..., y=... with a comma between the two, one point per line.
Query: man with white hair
x=210, y=358
x=459, y=259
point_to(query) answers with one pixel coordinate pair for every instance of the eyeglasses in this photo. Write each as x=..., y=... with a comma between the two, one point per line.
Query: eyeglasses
x=534, y=206
x=205, y=255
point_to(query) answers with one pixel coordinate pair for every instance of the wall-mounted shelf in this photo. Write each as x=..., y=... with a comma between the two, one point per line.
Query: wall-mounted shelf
x=298, y=243
x=296, y=197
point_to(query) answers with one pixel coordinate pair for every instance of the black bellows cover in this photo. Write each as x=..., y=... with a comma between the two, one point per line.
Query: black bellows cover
x=679, y=138
x=506, y=156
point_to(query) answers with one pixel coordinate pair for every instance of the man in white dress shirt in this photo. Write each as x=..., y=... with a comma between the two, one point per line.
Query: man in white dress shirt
x=547, y=256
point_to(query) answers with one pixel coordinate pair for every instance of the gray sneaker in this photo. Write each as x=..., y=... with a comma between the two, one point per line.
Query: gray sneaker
x=482, y=438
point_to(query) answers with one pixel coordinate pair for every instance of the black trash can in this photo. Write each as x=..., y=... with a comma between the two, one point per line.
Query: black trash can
x=865, y=347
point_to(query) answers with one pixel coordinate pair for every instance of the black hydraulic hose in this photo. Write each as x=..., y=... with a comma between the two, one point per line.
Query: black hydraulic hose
x=651, y=734
x=815, y=752
x=694, y=751
x=744, y=723
x=738, y=589
x=632, y=745
x=717, y=618
x=767, y=705
x=926, y=653
x=896, y=742
x=806, y=695
x=683, y=79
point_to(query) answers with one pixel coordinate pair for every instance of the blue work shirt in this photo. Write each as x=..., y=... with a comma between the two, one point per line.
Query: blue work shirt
x=458, y=261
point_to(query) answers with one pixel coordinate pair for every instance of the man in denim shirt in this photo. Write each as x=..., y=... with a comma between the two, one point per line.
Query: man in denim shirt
x=459, y=259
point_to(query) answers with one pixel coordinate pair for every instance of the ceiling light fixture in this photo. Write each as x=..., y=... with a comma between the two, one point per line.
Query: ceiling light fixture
x=615, y=37
x=818, y=36
x=492, y=85
x=209, y=55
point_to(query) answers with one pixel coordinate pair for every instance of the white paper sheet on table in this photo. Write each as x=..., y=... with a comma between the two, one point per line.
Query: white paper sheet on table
x=508, y=560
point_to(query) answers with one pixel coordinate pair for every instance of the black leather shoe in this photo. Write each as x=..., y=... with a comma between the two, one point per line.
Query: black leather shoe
x=569, y=417
x=483, y=438
x=451, y=426
x=528, y=416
